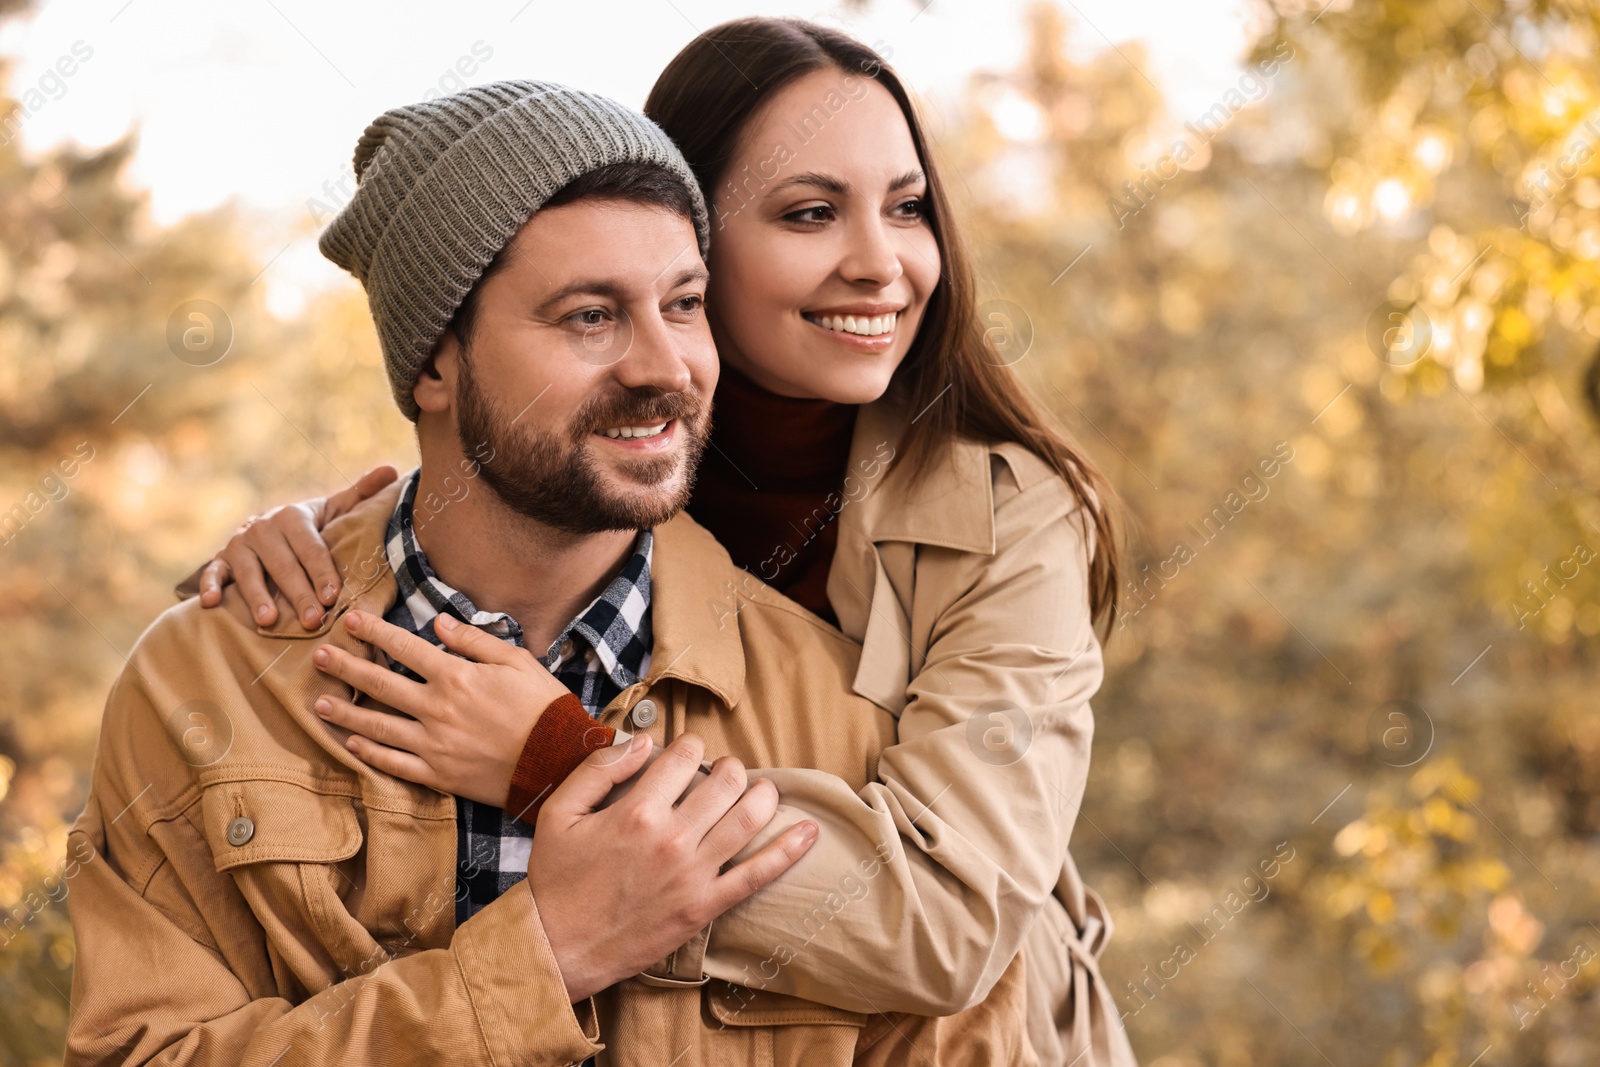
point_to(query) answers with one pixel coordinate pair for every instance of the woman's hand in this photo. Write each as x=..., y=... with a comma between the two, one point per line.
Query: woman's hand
x=473, y=714
x=286, y=545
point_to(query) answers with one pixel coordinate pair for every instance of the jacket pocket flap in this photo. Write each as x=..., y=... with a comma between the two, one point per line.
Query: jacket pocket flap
x=261, y=820
x=733, y=1005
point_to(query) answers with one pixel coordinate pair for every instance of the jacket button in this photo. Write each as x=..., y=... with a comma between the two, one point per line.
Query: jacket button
x=644, y=713
x=241, y=830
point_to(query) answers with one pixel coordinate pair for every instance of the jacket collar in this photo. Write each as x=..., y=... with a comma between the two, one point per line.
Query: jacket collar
x=695, y=597
x=696, y=594
x=952, y=505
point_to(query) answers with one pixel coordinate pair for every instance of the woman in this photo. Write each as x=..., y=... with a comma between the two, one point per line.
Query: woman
x=871, y=461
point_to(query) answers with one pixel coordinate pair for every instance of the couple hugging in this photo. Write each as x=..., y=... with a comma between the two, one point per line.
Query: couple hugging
x=629, y=727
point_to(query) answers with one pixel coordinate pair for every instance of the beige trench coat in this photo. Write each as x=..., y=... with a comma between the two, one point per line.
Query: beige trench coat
x=968, y=593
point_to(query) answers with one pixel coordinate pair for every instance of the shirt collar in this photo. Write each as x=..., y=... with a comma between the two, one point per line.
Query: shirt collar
x=616, y=624
x=696, y=596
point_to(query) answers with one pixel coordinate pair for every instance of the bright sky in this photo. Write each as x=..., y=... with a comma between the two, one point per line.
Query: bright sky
x=262, y=100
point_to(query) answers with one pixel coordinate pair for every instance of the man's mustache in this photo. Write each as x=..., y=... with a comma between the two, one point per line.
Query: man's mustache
x=639, y=410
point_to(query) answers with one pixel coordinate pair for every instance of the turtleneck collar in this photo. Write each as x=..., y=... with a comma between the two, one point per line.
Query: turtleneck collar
x=768, y=485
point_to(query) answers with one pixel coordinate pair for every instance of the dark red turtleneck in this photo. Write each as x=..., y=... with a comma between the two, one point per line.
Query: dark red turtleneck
x=765, y=484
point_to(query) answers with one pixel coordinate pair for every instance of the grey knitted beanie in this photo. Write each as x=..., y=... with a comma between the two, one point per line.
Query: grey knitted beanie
x=443, y=186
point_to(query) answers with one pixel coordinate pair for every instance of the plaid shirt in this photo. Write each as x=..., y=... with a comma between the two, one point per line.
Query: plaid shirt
x=601, y=652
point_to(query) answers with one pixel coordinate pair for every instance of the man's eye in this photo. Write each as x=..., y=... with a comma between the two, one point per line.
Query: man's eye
x=589, y=317
x=690, y=303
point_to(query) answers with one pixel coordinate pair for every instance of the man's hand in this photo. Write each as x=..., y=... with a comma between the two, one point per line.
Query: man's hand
x=619, y=889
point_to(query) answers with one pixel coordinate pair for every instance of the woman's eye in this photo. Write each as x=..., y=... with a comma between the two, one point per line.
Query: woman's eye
x=813, y=215
x=913, y=209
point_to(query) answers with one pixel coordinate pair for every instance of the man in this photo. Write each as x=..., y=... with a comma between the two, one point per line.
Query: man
x=256, y=894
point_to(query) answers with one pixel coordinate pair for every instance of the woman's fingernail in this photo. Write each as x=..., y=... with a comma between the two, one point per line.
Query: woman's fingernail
x=639, y=742
x=320, y=657
x=445, y=622
x=328, y=592
x=352, y=619
x=808, y=832
x=261, y=612
x=311, y=616
x=324, y=706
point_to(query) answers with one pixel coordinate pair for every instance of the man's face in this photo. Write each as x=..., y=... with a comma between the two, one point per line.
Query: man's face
x=586, y=386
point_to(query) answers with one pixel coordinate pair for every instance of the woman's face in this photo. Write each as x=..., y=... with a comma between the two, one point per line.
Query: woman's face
x=822, y=262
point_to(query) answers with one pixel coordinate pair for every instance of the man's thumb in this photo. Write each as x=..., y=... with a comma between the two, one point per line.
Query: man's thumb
x=586, y=787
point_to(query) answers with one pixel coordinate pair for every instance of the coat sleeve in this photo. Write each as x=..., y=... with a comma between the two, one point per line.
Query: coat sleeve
x=923, y=884
x=173, y=967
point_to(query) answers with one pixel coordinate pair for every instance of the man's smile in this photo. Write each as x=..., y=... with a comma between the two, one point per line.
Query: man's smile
x=647, y=437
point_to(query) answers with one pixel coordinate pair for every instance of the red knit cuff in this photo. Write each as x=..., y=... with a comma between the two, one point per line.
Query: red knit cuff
x=558, y=742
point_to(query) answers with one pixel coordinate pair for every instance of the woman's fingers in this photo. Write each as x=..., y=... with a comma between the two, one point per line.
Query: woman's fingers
x=391, y=760
x=377, y=681
x=245, y=566
x=420, y=655
x=366, y=485
x=476, y=645
x=312, y=555
x=213, y=576
x=381, y=727
x=270, y=543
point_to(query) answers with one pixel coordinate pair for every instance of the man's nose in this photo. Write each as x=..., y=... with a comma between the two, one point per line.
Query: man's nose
x=654, y=358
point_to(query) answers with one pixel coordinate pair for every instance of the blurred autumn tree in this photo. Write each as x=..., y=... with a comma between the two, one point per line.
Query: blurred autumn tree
x=165, y=455
x=1347, y=780
x=1384, y=659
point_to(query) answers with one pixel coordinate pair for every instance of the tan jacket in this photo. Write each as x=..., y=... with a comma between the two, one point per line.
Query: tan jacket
x=968, y=592
x=245, y=891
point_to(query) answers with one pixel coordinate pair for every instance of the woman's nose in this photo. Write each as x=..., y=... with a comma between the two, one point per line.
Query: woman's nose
x=873, y=254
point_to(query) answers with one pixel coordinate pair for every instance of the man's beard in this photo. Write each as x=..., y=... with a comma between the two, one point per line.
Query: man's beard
x=554, y=480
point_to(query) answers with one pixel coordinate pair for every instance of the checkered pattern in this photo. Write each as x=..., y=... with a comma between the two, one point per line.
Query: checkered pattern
x=599, y=654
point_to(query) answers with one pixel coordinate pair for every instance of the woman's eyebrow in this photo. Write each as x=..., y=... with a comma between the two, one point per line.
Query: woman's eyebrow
x=822, y=181
x=839, y=187
x=910, y=177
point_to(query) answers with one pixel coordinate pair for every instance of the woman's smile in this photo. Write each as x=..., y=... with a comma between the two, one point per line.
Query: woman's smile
x=864, y=327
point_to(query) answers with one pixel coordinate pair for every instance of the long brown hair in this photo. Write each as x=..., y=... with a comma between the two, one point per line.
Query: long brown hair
x=704, y=99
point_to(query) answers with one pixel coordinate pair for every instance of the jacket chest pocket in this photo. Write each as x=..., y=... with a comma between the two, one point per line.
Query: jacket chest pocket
x=281, y=842
x=764, y=1028
x=257, y=820
x=722, y=1025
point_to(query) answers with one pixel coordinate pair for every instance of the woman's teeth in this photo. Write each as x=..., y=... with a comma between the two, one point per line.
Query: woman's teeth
x=634, y=431
x=864, y=325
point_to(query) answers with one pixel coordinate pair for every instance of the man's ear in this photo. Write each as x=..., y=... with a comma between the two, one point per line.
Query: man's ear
x=436, y=385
